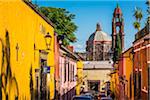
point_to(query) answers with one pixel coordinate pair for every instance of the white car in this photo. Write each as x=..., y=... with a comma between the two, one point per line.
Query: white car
x=106, y=98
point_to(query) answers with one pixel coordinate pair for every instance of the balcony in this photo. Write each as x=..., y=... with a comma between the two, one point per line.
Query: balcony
x=141, y=33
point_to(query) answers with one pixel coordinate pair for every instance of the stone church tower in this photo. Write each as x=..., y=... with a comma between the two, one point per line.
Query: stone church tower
x=98, y=45
x=117, y=27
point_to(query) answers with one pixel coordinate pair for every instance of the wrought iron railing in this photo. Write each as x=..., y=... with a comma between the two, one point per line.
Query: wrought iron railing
x=142, y=33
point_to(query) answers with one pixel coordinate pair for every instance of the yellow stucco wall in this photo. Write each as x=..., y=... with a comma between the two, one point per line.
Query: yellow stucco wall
x=101, y=75
x=115, y=81
x=80, y=76
x=23, y=26
x=127, y=72
x=128, y=68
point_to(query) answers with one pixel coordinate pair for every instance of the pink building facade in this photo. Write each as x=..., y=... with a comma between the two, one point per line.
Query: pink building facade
x=67, y=71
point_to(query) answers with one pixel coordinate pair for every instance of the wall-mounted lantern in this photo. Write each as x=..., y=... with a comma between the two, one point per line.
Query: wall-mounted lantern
x=60, y=39
x=48, y=40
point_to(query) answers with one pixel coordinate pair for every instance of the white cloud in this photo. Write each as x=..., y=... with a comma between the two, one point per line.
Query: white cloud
x=79, y=47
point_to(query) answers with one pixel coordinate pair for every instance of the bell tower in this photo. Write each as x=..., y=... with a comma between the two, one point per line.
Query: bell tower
x=117, y=27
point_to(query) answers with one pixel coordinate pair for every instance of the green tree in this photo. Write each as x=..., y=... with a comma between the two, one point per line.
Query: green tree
x=138, y=16
x=118, y=49
x=137, y=25
x=63, y=23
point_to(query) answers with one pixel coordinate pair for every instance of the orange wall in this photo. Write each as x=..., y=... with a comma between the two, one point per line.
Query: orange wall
x=128, y=70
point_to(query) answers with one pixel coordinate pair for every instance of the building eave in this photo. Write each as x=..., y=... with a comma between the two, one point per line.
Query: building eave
x=97, y=68
x=36, y=11
x=68, y=51
x=128, y=49
x=145, y=30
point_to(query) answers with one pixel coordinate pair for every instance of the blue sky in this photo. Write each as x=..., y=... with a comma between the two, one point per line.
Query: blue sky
x=90, y=12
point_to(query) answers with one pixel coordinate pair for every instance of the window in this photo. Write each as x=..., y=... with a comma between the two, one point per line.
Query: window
x=68, y=70
x=117, y=19
x=73, y=72
x=117, y=29
x=65, y=71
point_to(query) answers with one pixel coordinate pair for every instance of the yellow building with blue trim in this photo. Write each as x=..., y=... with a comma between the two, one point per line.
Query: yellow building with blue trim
x=26, y=59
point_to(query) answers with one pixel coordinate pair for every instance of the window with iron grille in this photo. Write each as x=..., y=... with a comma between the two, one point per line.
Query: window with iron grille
x=65, y=71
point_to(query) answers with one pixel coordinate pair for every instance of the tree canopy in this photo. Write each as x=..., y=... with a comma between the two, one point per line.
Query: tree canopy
x=118, y=49
x=138, y=16
x=63, y=23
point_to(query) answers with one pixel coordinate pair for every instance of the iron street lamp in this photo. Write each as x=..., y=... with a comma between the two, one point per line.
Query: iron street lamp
x=60, y=39
x=39, y=71
x=48, y=40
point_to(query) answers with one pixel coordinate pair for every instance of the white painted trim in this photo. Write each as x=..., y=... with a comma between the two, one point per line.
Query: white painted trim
x=147, y=45
x=144, y=90
x=148, y=62
x=138, y=43
x=136, y=69
x=143, y=47
x=141, y=40
x=140, y=69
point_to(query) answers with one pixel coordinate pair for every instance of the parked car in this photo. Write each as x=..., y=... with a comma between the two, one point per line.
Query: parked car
x=83, y=97
x=94, y=94
x=106, y=98
x=89, y=94
x=102, y=94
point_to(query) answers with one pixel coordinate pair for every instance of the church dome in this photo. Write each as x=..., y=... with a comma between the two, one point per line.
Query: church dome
x=99, y=35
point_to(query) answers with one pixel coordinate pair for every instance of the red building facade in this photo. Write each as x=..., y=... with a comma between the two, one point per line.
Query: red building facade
x=117, y=27
x=141, y=59
x=118, y=33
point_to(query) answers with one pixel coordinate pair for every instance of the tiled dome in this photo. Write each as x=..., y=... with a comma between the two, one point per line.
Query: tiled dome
x=99, y=35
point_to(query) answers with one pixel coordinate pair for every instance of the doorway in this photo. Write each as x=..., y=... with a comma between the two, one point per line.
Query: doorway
x=94, y=85
x=43, y=76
